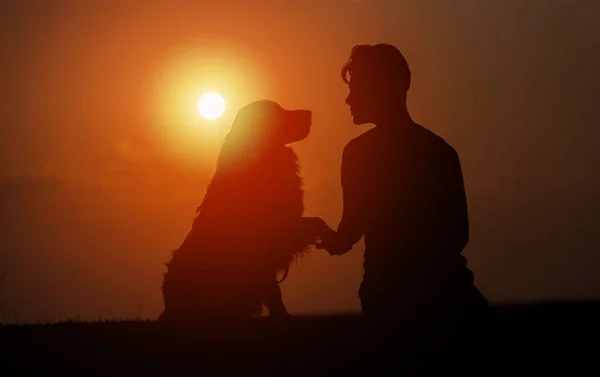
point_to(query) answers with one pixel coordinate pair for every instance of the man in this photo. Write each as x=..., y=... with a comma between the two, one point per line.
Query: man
x=403, y=190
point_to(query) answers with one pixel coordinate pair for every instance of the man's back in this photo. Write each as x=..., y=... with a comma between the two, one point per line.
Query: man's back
x=415, y=220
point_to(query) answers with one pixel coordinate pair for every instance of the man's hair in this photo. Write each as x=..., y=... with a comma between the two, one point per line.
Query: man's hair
x=380, y=62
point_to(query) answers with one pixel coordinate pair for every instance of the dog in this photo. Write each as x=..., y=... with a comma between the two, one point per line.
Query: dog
x=249, y=227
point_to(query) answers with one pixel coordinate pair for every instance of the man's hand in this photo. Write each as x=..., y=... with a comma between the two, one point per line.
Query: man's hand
x=333, y=245
x=328, y=237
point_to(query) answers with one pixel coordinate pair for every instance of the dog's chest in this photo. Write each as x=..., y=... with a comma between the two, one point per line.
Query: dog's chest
x=280, y=188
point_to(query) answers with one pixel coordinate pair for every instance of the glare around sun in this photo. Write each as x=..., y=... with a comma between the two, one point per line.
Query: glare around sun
x=211, y=105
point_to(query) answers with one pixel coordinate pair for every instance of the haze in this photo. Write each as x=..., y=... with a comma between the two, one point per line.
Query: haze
x=102, y=167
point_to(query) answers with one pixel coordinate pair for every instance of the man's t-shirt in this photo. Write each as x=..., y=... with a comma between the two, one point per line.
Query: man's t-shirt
x=403, y=188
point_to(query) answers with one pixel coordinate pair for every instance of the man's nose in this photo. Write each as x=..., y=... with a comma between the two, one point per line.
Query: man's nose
x=348, y=100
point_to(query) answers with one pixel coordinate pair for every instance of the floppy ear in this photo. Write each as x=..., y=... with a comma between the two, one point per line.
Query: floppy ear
x=235, y=153
x=239, y=133
x=245, y=138
x=255, y=126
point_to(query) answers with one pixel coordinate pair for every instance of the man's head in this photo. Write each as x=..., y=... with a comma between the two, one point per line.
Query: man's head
x=378, y=77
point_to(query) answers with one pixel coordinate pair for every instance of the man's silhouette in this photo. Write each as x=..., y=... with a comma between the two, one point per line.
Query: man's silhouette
x=403, y=190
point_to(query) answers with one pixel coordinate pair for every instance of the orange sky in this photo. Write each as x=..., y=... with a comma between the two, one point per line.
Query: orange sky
x=100, y=120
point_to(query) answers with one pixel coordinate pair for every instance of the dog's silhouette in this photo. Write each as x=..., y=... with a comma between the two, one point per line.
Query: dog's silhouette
x=250, y=225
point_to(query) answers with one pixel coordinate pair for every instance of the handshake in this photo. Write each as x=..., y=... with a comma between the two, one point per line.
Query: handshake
x=328, y=238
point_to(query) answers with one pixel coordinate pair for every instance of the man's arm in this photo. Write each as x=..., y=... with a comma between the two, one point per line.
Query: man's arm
x=351, y=227
x=452, y=218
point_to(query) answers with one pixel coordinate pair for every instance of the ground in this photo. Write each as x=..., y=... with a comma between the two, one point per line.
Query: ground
x=534, y=338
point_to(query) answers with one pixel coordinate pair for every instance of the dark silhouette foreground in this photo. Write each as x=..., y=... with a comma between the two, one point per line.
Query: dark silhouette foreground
x=530, y=340
x=403, y=191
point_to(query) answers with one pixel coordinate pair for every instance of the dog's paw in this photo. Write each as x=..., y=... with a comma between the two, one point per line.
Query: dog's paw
x=283, y=316
x=318, y=228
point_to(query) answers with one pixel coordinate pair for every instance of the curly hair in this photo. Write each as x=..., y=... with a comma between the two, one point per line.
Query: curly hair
x=380, y=62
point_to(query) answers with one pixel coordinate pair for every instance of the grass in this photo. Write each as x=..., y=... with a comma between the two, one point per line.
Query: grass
x=528, y=338
x=533, y=338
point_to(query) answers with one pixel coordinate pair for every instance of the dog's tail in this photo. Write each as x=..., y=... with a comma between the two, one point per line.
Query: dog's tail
x=285, y=274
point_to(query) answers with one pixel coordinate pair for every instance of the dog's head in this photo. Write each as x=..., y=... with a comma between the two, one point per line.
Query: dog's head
x=263, y=125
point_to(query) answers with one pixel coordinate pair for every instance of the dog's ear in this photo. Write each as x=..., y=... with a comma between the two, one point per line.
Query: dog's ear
x=251, y=131
x=254, y=123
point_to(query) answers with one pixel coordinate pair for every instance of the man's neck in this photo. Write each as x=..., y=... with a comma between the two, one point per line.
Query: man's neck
x=397, y=120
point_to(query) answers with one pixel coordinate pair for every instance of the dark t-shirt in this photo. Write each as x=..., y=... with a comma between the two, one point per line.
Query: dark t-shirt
x=403, y=189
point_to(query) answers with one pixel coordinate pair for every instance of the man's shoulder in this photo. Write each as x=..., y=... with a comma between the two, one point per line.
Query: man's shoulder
x=365, y=137
x=437, y=144
x=420, y=137
x=362, y=141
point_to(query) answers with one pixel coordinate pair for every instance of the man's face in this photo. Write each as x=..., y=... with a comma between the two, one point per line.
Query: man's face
x=364, y=99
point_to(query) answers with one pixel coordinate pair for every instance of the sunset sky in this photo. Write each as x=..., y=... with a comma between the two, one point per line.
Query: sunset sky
x=104, y=156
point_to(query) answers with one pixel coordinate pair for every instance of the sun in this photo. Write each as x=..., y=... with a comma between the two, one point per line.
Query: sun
x=211, y=105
